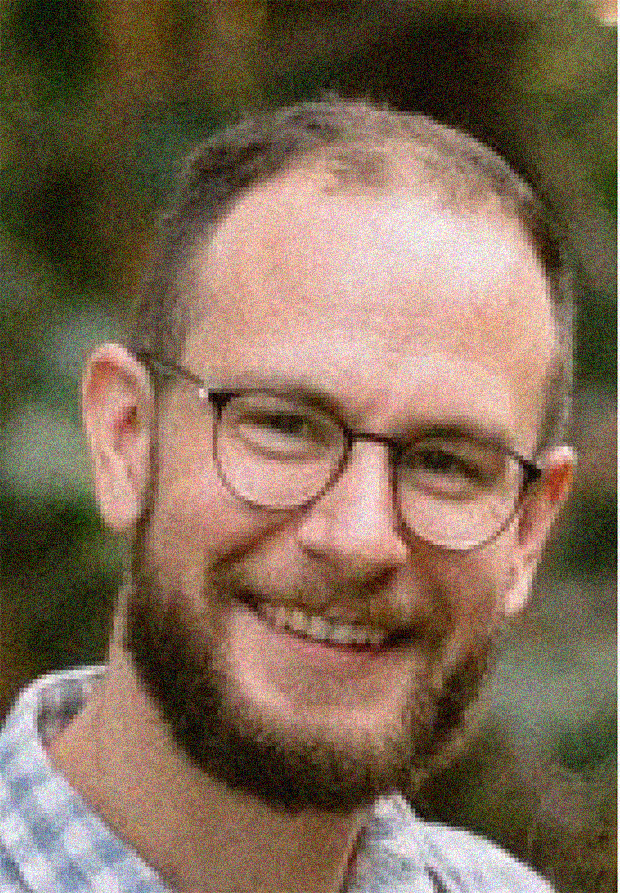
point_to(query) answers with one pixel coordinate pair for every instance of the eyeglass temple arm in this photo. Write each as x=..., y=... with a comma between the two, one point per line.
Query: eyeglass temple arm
x=168, y=367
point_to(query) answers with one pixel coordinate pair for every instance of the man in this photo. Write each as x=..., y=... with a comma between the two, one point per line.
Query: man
x=332, y=445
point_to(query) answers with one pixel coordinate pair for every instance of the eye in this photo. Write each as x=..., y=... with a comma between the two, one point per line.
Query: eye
x=277, y=429
x=285, y=425
x=441, y=461
x=452, y=468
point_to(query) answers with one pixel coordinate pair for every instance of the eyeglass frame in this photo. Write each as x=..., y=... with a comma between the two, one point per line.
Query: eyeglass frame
x=219, y=397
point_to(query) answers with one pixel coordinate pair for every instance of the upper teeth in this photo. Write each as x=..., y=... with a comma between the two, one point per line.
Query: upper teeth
x=319, y=628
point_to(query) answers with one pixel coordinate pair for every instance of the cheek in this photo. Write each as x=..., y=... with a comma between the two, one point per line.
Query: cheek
x=472, y=585
x=196, y=521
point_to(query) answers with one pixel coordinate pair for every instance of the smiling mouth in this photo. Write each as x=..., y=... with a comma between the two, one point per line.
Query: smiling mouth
x=324, y=631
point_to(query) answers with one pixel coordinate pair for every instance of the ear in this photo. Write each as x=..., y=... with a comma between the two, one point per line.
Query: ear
x=536, y=517
x=117, y=407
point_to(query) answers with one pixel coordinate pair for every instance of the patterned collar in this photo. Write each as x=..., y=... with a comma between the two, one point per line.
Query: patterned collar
x=49, y=832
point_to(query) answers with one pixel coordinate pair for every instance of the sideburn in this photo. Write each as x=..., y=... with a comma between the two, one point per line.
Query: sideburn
x=139, y=533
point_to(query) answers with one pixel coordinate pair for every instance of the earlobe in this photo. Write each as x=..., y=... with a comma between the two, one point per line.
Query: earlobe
x=117, y=406
x=519, y=587
x=118, y=497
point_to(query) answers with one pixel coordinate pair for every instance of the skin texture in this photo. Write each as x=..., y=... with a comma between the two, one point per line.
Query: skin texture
x=406, y=314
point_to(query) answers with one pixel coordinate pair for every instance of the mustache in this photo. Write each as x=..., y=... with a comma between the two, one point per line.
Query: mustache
x=373, y=605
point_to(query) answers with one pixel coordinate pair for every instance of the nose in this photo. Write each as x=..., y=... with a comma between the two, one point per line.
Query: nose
x=354, y=526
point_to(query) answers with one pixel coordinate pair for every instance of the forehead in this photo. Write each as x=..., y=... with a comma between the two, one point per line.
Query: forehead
x=361, y=289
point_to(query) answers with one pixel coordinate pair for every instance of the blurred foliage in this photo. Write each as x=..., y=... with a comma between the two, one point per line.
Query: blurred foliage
x=559, y=820
x=66, y=618
x=100, y=100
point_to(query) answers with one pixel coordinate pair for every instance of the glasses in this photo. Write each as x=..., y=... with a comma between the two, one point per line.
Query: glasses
x=280, y=452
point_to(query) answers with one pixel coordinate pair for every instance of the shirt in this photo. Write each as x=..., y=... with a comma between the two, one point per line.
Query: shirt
x=52, y=842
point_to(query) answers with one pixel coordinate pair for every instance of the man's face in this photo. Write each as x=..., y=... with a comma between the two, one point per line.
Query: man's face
x=406, y=316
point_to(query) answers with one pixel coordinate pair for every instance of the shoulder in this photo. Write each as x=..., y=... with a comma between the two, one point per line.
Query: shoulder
x=50, y=839
x=32, y=796
x=451, y=860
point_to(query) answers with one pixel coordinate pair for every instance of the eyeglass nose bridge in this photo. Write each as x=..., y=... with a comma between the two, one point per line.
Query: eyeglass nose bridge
x=395, y=449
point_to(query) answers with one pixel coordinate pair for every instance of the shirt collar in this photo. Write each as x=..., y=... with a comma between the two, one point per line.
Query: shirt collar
x=47, y=830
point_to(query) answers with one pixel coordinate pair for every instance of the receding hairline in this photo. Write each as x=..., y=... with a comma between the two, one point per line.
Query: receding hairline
x=372, y=170
x=401, y=162
x=378, y=167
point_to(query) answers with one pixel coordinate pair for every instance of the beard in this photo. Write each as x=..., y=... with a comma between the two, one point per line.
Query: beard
x=183, y=670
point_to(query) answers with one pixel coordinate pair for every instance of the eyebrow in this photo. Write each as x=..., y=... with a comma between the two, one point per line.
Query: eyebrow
x=460, y=428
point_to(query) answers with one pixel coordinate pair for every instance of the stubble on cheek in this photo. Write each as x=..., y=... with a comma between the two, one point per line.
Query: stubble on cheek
x=471, y=588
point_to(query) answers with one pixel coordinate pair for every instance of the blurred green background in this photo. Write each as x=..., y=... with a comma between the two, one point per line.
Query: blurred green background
x=99, y=102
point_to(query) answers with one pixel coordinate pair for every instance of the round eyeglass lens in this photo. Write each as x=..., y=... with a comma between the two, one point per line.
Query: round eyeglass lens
x=457, y=493
x=276, y=452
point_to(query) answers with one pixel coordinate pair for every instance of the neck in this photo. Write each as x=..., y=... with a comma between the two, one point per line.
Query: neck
x=201, y=835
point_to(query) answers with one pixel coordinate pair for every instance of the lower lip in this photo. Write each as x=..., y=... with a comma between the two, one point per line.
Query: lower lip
x=322, y=652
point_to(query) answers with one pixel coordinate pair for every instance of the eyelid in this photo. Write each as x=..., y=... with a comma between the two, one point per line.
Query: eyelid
x=460, y=441
x=312, y=400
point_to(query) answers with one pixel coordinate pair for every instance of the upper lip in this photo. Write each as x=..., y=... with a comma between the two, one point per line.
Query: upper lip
x=394, y=634
x=254, y=601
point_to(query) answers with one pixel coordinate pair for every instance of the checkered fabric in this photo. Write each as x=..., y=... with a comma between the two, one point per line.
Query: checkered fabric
x=51, y=842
